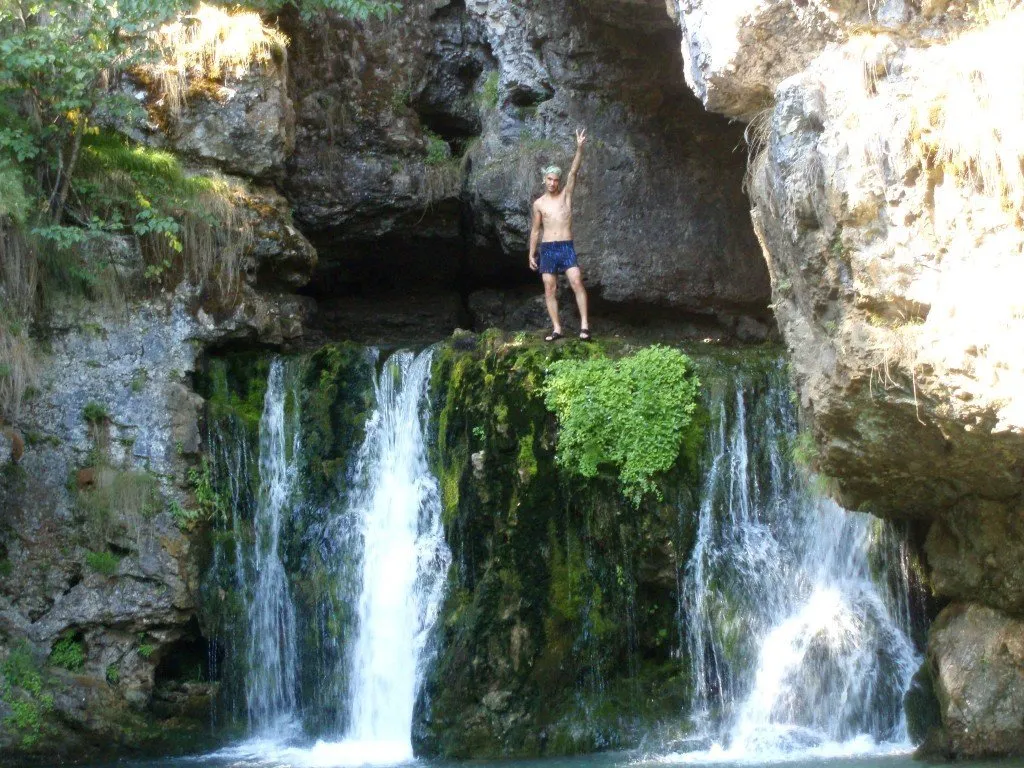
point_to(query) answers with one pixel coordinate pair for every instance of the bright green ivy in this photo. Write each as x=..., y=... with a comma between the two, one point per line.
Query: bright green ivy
x=629, y=415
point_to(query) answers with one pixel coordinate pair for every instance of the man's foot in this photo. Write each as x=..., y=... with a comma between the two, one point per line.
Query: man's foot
x=553, y=336
x=584, y=334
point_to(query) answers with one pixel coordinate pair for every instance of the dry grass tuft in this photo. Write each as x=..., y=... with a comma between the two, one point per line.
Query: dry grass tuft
x=17, y=369
x=968, y=107
x=211, y=44
x=757, y=136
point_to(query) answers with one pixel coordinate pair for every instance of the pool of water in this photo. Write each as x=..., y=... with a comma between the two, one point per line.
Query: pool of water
x=265, y=754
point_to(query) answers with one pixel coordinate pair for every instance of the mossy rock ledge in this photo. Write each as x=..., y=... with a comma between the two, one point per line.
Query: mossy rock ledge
x=559, y=632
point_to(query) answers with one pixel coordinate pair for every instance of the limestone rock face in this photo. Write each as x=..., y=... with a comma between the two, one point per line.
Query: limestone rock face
x=891, y=231
x=92, y=543
x=891, y=283
x=363, y=161
x=737, y=53
x=657, y=209
x=428, y=134
x=977, y=658
x=245, y=126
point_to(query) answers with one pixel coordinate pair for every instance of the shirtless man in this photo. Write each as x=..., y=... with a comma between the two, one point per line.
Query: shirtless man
x=552, y=212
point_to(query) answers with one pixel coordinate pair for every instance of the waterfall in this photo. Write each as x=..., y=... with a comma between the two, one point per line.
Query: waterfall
x=396, y=508
x=796, y=640
x=271, y=656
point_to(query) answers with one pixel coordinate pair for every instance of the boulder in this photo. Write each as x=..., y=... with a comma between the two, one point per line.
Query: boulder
x=977, y=660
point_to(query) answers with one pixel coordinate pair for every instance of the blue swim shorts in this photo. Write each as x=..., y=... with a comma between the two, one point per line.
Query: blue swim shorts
x=557, y=256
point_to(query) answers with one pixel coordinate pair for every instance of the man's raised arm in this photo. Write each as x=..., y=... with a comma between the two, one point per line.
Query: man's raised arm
x=577, y=160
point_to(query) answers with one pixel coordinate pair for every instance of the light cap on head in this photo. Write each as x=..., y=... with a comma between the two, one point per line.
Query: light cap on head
x=552, y=169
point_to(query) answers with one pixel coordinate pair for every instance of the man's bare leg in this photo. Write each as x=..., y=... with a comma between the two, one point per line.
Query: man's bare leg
x=551, y=299
x=576, y=282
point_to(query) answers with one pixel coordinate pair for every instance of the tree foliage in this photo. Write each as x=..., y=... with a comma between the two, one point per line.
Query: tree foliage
x=59, y=66
x=630, y=415
x=61, y=62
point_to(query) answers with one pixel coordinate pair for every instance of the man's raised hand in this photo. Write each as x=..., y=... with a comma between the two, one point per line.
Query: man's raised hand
x=581, y=137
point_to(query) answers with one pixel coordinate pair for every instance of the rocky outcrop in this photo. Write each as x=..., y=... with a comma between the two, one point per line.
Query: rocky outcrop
x=102, y=486
x=657, y=219
x=736, y=54
x=244, y=126
x=560, y=614
x=977, y=659
x=419, y=145
x=885, y=195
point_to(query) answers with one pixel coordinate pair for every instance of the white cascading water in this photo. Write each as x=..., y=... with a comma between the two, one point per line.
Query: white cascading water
x=798, y=644
x=272, y=646
x=404, y=562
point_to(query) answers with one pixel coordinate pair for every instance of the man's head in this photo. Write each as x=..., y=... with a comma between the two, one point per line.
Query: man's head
x=552, y=178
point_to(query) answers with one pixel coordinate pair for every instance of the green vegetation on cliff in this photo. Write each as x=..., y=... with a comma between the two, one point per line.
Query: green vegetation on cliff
x=22, y=690
x=632, y=414
x=559, y=626
x=74, y=195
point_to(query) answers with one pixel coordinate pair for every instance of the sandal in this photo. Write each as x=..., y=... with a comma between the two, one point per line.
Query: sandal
x=584, y=334
x=554, y=336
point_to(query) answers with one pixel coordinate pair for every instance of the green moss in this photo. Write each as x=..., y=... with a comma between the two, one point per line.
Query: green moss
x=234, y=386
x=67, y=653
x=543, y=601
x=337, y=396
x=139, y=379
x=487, y=97
x=106, y=563
x=527, y=462
x=95, y=413
x=438, y=151
x=113, y=674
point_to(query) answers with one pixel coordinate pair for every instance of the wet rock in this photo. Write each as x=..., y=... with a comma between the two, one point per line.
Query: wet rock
x=974, y=553
x=977, y=660
x=924, y=719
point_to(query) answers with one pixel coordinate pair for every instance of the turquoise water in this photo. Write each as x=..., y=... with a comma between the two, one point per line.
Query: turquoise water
x=255, y=755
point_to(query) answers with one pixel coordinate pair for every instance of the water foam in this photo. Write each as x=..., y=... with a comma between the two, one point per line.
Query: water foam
x=798, y=651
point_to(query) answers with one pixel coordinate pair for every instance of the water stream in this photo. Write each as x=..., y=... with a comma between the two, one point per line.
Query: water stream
x=404, y=563
x=271, y=653
x=792, y=612
x=796, y=639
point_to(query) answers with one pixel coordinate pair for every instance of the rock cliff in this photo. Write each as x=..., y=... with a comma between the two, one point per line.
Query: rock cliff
x=419, y=144
x=104, y=476
x=885, y=191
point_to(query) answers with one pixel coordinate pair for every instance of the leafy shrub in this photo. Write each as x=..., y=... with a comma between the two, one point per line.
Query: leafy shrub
x=106, y=563
x=27, y=707
x=67, y=653
x=113, y=674
x=630, y=415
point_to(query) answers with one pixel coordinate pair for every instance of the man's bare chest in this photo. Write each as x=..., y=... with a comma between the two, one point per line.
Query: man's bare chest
x=555, y=210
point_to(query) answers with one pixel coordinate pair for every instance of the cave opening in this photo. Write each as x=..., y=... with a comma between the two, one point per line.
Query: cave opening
x=186, y=660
